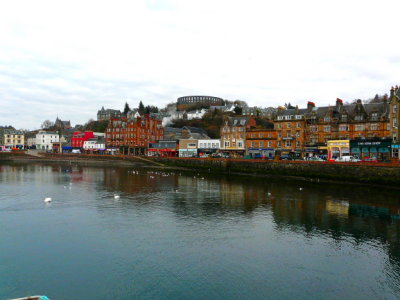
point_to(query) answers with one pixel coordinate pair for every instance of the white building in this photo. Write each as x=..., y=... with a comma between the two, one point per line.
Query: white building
x=46, y=139
x=208, y=146
x=94, y=144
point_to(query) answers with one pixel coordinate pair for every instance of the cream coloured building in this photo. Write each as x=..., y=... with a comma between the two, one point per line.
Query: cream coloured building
x=12, y=138
x=233, y=134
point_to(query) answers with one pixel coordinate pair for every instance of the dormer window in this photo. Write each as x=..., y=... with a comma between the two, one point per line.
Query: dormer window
x=344, y=118
x=359, y=118
x=374, y=116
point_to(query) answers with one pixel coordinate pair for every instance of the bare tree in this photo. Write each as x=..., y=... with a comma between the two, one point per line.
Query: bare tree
x=47, y=124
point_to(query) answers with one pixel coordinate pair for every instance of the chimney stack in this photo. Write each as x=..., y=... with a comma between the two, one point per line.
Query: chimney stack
x=310, y=106
x=339, y=103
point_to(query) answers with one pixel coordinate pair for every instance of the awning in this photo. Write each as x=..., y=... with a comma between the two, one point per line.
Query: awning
x=373, y=149
x=383, y=150
x=355, y=150
x=365, y=150
x=67, y=148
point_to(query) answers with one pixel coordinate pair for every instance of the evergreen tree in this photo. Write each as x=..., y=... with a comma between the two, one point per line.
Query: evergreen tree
x=238, y=110
x=141, y=108
x=126, y=109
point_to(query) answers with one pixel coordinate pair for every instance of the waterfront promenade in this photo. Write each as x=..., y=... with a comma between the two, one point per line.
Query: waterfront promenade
x=384, y=173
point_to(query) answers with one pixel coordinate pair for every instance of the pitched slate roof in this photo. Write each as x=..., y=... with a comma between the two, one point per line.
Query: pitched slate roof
x=292, y=112
x=382, y=108
x=238, y=121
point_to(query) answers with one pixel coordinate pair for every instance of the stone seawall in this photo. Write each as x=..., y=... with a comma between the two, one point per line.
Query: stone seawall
x=388, y=174
x=367, y=173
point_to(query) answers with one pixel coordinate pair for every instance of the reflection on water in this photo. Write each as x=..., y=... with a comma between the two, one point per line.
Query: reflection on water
x=192, y=235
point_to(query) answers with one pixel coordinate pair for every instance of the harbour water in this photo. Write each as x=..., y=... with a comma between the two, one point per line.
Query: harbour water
x=174, y=235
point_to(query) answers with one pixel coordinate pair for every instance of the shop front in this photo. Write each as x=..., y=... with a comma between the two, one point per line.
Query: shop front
x=372, y=148
x=338, y=148
x=163, y=149
x=187, y=152
x=396, y=151
x=67, y=149
x=231, y=153
x=323, y=152
x=310, y=152
x=297, y=153
x=267, y=153
x=289, y=153
x=206, y=151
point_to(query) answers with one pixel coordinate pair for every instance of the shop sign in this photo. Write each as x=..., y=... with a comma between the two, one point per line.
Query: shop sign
x=369, y=143
x=262, y=149
x=338, y=144
x=366, y=143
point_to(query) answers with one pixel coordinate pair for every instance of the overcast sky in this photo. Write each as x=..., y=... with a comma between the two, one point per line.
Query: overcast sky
x=70, y=58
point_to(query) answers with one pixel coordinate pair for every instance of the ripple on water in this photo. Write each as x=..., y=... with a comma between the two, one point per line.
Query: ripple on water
x=175, y=236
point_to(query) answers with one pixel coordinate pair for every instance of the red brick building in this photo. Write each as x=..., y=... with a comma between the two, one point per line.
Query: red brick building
x=132, y=136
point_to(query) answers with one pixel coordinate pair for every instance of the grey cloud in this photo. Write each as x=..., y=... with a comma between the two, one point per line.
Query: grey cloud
x=29, y=95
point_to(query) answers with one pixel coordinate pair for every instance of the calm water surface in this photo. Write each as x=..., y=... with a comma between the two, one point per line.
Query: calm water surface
x=190, y=236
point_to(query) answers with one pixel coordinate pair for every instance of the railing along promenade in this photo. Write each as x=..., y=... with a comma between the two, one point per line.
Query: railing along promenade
x=391, y=163
x=382, y=173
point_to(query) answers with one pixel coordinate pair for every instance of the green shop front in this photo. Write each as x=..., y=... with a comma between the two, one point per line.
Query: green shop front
x=371, y=148
x=396, y=151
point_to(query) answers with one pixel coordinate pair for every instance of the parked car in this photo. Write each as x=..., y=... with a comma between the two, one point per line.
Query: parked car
x=286, y=157
x=348, y=158
x=315, y=158
x=76, y=151
x=370, y=159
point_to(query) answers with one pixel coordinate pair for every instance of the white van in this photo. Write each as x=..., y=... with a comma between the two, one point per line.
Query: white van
x=347, y=158
x=76, y=151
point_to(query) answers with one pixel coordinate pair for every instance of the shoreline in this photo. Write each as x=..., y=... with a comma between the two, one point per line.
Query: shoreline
x=304, y=172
